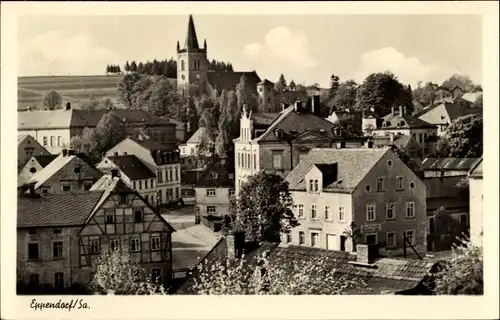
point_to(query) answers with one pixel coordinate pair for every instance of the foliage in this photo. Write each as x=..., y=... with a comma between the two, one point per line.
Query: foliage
x=280, y=85
x=264, y=276
x=334, y=85
x=352, y=232
x=215, y=65
x=264, y=207
x=246, y=95
x=117, y=274
x=94, y=104
x=126, y=89
x=479, y=102
x=223, y=142
x=463, y=275
x=447, y=228
x=462, y=188
x=381, y=91
x=52, y=100
x=164, y=99
x=410, y=163
x=292, y=86
x=113, y=69
x=442, y=147
x=345, y=96
x=463, y=81
x=465, y=137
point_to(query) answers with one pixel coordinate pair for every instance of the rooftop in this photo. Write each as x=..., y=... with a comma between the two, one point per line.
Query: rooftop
x=217, y=175
x=131, y=166
x=198, y=136
x=45, y=159
x=398, y=120
x=448, y=163
x=225, y=80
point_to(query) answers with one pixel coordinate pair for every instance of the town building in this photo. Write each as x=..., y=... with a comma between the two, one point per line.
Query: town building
x=404, y=142
x=180, y=129
x=27, y=147
x=276, y=143
x=54, y=129
x=373, y=188
x=34, y=165
x=60, y=237
x=400, y=122
x=134, y=173
x=215, y=189
x=476, y=203
x=69, y=172
x=192, y=146
x=162, y=159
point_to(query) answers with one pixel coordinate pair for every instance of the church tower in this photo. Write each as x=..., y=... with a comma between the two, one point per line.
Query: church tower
x=192, y=63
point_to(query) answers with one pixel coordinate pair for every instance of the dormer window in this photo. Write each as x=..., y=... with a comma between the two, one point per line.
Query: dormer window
x=313, y=185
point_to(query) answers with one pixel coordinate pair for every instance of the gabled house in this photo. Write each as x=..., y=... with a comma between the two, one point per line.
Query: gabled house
x=60, y=237
x=161, y=159
x=134, y=173
x=68, y=172
x=403, y=142
x=33, y=165
x=28, y=147
x=280, y=146
x=476, y=203
x=192, y=146
x=332, y=188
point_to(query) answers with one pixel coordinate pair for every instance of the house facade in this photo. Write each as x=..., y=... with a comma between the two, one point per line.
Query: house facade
x=443, y=114
x=476, y=203
x=61, y=236
x=192, y=146
x=332, y=188
x=28, y=147
x=34, y=165
x=163, y=160
x=280, y=144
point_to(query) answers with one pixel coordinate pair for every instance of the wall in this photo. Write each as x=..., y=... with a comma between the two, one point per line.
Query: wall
x=172, y=171
x=244, y=169
x=25, y=174
x=362, y=197
x=476, y=210
x=220, y=200
x=58, y=134
x=189, y=74
x=27, y=148
x=267, y=98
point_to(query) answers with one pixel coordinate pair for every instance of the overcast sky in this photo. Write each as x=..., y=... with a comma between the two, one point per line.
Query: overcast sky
x=307, y=49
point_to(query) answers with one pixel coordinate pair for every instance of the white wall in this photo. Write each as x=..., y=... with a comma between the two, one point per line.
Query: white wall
x=476, y=211
x=59, y=135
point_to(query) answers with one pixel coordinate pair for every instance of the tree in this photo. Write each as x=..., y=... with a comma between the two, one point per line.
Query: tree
x=115, y=273
x=465, y=137
x=463, y=275
x=463, y=81
x=106, y=104
x=91, y=104
x=52, y=100
x=263, y=275
x=479, y=102
x=141, y=92
x=126, y=89
x=165, y=100
x=447, y=229
x=352, y=232
x=223, y=142
x=246, y=95
x=381, y=91
x=280, y=85
x=403, y=155
x=140, y=68
x=133, y=66
x=442, y=147
x=334, y=85
x=127, y=66
x=264, y=207
x=292, y=85
x=344, y=98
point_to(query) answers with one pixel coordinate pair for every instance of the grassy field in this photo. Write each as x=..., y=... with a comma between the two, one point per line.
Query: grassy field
x=74, y=89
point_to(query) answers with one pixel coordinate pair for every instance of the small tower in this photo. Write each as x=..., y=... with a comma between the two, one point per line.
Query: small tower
x=267, y=98
x=192, y=63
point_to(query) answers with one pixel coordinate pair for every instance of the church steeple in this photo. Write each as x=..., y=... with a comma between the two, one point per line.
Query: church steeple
x=191, y=38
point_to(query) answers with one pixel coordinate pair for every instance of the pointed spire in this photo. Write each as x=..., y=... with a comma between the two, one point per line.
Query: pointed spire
x=191, y=39
x=178, y=46
x=205, y=44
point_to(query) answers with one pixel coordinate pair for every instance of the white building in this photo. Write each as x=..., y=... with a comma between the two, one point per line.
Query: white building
x=476, y=203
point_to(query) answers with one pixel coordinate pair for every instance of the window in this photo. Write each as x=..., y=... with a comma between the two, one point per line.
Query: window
x=57, y=249
x=316, y=185
x=409, y=236
x=183, y=65
x=94, y=246
x=215, y=175
x=135, y=244
x=155, y=243
x=370, y=212
x=231, y=192
x=140, y=184
x=380, y=184
x=327, y=213
x=169, y=174
x=412, y=185
x=368, y=188
x=314, y=239
x=156, y=275
x=301, y=210
x=110, y=216
x=341, y=214
x=138, y=215
x=399, y=183
x=114, y=244
x=391, y=239
x=59, y=280
x=146, y=184
x=176, y=174
x=34, y=279
x=52, y=142
x=116, y=154
x=45, y=141
x=210, y=209
x=123, y=199
x=33, y=253
x=210, y=192
x=134, y=185
x=57, y=231
x=410, y=209
x=314, y=211
x=32, y=232
x=288, y=237
x=390, y=211
x=301, y=237
x=59, y=141
x=277, y=160
x=254, y=161
x=389, y=163
x=311, y=186
x=371, y=238
x=66, y=188
x=177, y=195
x=32, y=170
x=159, y=175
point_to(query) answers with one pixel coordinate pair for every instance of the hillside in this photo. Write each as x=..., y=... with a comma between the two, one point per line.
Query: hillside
x=30, y=90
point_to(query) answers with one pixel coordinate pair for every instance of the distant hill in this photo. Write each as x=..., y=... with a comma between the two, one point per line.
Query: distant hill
x=30, y=90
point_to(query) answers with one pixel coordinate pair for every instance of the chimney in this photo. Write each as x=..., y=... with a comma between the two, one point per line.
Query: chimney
x=115, y=173
x=68, y=105
x=235, y=242
x=71, y=152
x=392, y=111
x=315, y=108
x=298, y=106
x=366, y=253
x=401, y=109
x=64, y=152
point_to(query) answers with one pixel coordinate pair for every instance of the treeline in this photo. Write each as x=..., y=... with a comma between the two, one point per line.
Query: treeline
x=113, y=69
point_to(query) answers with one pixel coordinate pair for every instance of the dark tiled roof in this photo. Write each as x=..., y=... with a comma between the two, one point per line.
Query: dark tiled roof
x=453, y=110
x=45, y=159
x=411, y=122
x=266, y=82
x=264, y=118
x=66, y=209
x=448, y=163
x=191, y=38
x=132, y=167
x=222, y=179
x=353, y=165
x=225, y=80
x=152, y=145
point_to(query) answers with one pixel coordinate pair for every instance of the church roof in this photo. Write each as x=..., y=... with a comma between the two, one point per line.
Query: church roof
x=224, y=80
x=191, y=38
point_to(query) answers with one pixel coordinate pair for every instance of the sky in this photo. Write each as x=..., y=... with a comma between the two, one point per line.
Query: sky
x=305, y=48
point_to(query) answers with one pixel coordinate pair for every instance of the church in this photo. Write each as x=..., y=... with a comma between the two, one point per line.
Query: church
x=193, y=71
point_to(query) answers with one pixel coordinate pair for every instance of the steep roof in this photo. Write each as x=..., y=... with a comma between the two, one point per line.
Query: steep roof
x=265, y=82
x=151, y=144
x=471, y=96
x=448, y=163
x=218, y=175
x=400, y=139
x=264, y=118
x=352, y=166
x=191, y=38
x=132, y=167
x=197, y=137
x=45, y=159
x=404, y=121
x=66, y=209
x=225, y=80
x=21, y=137
x=452, y=110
